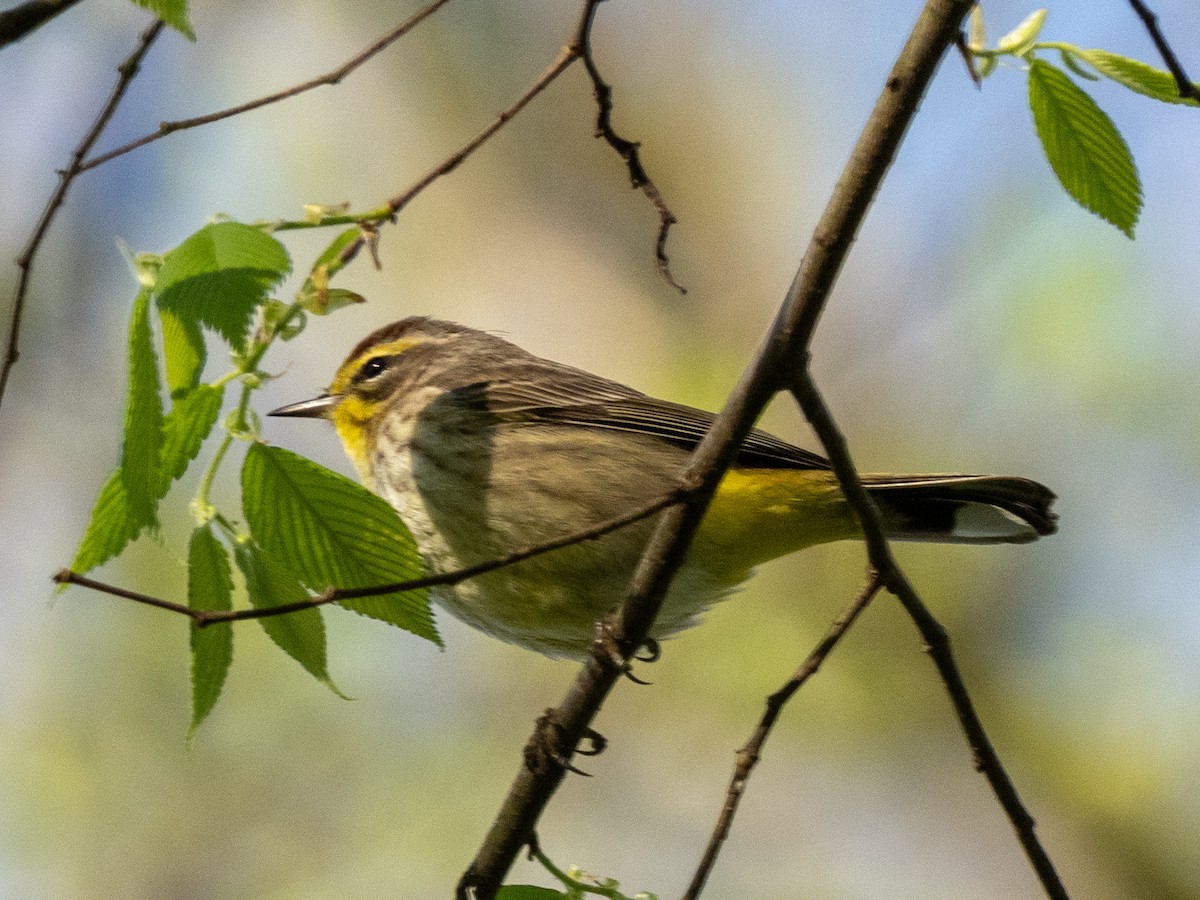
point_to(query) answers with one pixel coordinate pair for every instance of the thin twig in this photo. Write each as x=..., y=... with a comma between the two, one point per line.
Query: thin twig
x=627, y=150
x=18, y=21
x=204, y=617
x=329, y=78
x=125, y=75
x=748, y=756
x=936, y=640
x=783, y=350
x=577, y=48
x=1187, y=88
x=560, y=64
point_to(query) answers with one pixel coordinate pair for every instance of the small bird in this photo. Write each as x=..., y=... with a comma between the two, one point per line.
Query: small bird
x=484, y=448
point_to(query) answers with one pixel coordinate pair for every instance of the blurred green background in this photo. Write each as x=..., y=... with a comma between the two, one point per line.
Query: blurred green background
x=983, y=323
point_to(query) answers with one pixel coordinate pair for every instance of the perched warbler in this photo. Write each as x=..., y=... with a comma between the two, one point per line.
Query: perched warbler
x=483, y=448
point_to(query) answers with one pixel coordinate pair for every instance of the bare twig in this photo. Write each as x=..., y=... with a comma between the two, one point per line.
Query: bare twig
x=329, y=78
x=565, y=57
x=936, y=640
x=23, y=18
x=1187, y=88
x=204, y=617
x=627, y=150
x=578, y=47
x=748, y=756
x=782, y=352
x=125, y=74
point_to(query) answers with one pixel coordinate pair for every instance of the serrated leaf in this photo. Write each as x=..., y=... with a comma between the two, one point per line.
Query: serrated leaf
x=188, y=423
x=1084, y=148
x=113, y=526
x=333, y=532
x=142, y=438
x=210, y=586
x=173, y=12
x=110, y=528
x=1020, y=38
x=301, y=635
x=1137, y=76
x=219, y=275
x=184, y=352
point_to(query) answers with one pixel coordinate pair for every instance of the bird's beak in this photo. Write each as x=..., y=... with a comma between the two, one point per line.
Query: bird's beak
x=316, y=408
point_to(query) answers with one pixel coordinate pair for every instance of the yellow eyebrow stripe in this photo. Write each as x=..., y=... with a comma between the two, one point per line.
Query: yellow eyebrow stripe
x=350, y=366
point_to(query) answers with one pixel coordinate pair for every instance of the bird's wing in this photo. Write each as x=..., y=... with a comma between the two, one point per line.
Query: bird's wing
x=589, y=401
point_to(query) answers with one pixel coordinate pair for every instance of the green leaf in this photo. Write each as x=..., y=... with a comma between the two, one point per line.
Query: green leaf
x=143, y=432
x=333, y=532
x=210, y=586
x=183, y=351
x=173, y=12
x=301, y=635
x=529, y=892
x=1021, y=38
x=110, y=528
x=281, y=320
x=220, y=275
x=113, y=525
x=188, y=423
x=316, y=295
x=1084, y=148
x=1070, y=59
x=323, y=302
x=338, y=254
x=1137, y=76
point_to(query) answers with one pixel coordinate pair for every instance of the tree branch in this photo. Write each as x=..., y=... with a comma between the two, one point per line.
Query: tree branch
x=1187, y=88
x=783, y=351
x=748, y=756
x=20, y=20
x=205, y=617
x=561, y=63
x=329, y=78
x=627, y=150
x=578, y=47
x=936, y=640
x=126, y=72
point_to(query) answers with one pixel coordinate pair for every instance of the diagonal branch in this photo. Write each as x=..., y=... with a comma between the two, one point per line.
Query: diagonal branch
x=936, y=640
x=204, y=617
x=20, y=20
x=126, y=72
x=560, y=64
x=1187, y=88
x=329, y=78
x=782, y=352
x=578, y=47
x=748, y=756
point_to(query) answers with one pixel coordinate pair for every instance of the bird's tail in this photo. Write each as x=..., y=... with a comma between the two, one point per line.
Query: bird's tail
x=963, y=509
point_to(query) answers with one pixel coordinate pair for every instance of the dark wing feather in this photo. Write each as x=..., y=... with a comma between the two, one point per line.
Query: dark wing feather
x=587, y=400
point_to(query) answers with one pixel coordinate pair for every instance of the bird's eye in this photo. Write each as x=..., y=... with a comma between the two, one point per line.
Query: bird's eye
x=373, y=367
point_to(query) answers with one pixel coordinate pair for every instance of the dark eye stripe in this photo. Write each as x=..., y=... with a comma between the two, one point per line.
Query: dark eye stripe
x=374, y=367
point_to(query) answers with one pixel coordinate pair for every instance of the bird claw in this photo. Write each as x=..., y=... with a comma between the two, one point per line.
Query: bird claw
x=543, y=749
x=607, y=650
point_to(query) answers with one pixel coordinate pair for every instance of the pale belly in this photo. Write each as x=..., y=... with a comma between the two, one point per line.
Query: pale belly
x=463, y=509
